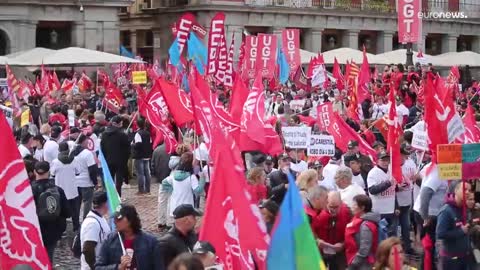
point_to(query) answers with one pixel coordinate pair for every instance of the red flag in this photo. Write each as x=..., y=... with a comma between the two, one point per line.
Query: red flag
x=364, y=80
x=20, y=231
x=84, y=83
x=301, y=81
x=187, y=20
x=113, y=99
x=266, y=55
x=250, y=67
x=55, y=82
x=409, y=23
x=241, y=56
x=154, y=102
x=472, y=132
x=337, y=74
x=45, y=82
x=317, y=72
x=229, y=72
x=68, y=85
x=291, y=48
x=393, y=143
x=12, y=82
x=177, y=101
x=239, y=96
x=184, y=25
x=217, y=48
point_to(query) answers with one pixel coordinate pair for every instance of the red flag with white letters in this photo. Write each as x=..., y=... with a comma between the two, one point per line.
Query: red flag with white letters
x=250, y=59
x=182, y=29
x=409, y=23
x=217, y=48
x=266, y=55
x=291, y=48
x=20, y=236
x=230, y=72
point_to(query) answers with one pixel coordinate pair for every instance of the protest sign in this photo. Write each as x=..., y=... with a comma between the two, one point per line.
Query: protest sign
x=296, y=137
x=419, y=140
x=8, y=112
x=25, y=118
x=321, y=145
x=471, y=161
x=458, y=161
x=297, y=104
x=139, y=77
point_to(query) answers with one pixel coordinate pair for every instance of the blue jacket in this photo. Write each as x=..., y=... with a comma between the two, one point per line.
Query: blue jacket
x=146, y=252
x=455, y=243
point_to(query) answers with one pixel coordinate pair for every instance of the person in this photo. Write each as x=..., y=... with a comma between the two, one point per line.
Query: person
x=316, y=201
x=116, y=149
x=256, y=184
x=146, y=253
x=160, y=159
x=318, y=167
x=142, y=153
x=50, y=148
x=366, y=133
x=205, y=252
x=182, y=237
x=348, y=190
x=332, y=223
x=297, y=164
x=186, y=261
x=330, y=170
x=404, y=196
x=268, y=165
x=38, y=143
x=269, y=210
x=305, y=181
x=390, y=255
x=381, y=187
x=25, y=145
x=52, y=207
x=278, y=180
x=354, y=164
x=452, y=232
x=64, y=171
x=183, y=183
x=361, y=234
x=86, y=179
x=94, y=231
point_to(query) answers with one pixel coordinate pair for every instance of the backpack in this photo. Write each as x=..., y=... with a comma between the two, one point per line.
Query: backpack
x=76, y=247
x=48, y=203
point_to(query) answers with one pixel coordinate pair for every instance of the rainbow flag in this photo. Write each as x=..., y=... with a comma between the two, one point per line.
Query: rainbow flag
x=112, y=194
x=293, y=246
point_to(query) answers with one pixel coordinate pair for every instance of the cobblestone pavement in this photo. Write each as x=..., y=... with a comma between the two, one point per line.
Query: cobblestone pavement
x=147, y=208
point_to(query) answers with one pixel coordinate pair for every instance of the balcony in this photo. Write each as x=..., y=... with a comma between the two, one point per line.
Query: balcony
x=351, y=5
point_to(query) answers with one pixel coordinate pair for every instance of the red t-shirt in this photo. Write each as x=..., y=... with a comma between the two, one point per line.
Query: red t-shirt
x=258, y=192
x=128, y=244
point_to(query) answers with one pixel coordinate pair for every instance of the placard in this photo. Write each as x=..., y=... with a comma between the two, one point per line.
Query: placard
x=25, y=118
x=471, y=161
x=449, y=153
x=139, y=77
x=296, y=137
x=419, y=140
x=321, y=145
x=297, y=104
x=450, y=171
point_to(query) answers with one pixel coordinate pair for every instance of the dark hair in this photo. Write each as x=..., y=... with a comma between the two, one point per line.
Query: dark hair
x=39, y=138
x=363, y=201
x=408, y=136
x=141, y=122
x=296, y=119
x=25, y=138
x=130, y=213
x=63, y=147
x=186, y=162
x=186, y=261
x=281, y=109
x=81, y=138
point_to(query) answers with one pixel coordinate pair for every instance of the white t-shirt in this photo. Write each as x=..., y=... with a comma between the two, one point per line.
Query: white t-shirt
x=404, y=195
x=182, y=191
x=50, y=151
x=64, y=175
x=439, y=187
x=299, y=167
x=384, y=202
x=402, y=110
x=38, y=155
x=208, y=172
x=329, y=176
x=378, y=111
x=91, y=231
x=24, y=150
x=347, y=194
x=84, y=160
x=358, y=179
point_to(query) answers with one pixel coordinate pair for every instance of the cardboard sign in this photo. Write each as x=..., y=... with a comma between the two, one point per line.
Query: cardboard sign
x=419, y=140
x=139, y=77
x=449, y=153
x=296, y=137
x=25, y=118
x=471, y=161
x=321, y=145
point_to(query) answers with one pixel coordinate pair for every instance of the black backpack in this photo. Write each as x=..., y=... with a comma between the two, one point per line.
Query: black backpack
x=48, y=203
x=76, y=247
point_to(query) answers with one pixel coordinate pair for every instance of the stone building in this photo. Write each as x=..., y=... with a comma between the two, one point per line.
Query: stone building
x=92, y=24
x=325, y=24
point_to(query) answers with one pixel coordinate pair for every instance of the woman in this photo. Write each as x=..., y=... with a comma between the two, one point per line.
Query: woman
x=186, y=261
x=269, y=210
x=361, y=235
x=305, y=181
x=256, y=184
x=38, y=143
x=366, y=133
x=183, y=183
x=390, y=255
x=138, y=250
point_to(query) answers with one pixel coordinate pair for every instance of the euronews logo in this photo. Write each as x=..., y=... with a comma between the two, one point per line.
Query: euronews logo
x=442, y=15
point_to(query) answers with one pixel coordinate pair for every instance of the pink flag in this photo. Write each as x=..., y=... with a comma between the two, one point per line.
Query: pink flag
x=409, y=23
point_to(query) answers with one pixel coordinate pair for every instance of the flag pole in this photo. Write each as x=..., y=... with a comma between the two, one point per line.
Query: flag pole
x=121, y=243
x=133, y=118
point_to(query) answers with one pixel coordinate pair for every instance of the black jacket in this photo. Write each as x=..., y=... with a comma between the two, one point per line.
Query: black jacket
x=115, y=146
x=143, y=149
x=174, y=243
x=278, y=179
x=146, y=249
x=52, y=230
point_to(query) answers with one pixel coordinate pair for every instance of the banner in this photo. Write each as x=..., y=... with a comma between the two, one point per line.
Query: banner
x=291, y=48
x=321, y=145
x=139, y=77
x=296, y=137
x=182, y=29
x=251, y=44
x=267, y=55
x=217, y=54
x=324, y=113
x=409, y=21
x=229, y=72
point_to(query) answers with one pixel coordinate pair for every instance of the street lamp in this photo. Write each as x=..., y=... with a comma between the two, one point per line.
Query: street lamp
x=409, y=55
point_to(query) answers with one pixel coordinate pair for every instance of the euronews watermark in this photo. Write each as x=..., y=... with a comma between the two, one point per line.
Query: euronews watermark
x=442, y=15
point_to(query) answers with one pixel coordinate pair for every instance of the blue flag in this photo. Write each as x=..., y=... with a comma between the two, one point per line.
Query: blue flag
x=283, y=66
x=197, y=52
x=125, y=52
x=174, y=53
x=109, y=186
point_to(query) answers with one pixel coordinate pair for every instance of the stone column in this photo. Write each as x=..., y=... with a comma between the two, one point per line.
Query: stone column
x=476, y=44
x=157, y=54
x=133, y=41
x=449, y=43
x=26, y=35
x=111, y=39
x=350, y=39
x=78, y=34
x=91, y=41
x=385, y=41
x=313, y=40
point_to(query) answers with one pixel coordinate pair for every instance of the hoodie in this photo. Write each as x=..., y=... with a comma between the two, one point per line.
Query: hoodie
x=181, y=176
x=364, y=239
x=65, y=157
x=115, y=146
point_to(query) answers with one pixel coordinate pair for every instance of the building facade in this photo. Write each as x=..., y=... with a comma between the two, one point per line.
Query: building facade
x=56, y=24
x=324, y=24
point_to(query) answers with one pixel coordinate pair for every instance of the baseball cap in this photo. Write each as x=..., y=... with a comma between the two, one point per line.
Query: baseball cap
x=383, y=155
x=352, y=144
x=269, y=160
x=185, y=210
x=270, y=205
x=42, y=167
x=337, y=156
x=203, y=247
x=258, y=159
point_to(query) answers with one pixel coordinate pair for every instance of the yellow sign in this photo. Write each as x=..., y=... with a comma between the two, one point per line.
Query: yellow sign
x=450, y=171
x=25, y=118
x=139, y=77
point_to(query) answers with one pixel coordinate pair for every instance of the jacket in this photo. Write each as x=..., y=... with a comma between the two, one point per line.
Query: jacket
x=146, y=252
x=51, y=230
x=160, y=159
x=143, y=149
x=331, y=229
x=278, y=179
x=174, y=243
x=361, y=240
x=115, y=146
x=455, y=243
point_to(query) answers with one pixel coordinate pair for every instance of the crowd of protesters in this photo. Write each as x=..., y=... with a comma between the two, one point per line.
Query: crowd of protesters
x=360, y=216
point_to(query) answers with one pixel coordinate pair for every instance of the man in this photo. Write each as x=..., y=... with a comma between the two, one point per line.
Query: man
x=404, y=196
x=50, y=149
x=354, y=164
x=297, y=164
x=381, y=187
x=182, y=237
x=316, y=201
x=52, y=207
x=206, y=253
x=94, y=231
x=453, y=233
x=330, y=170
x=116, y=148
x=25, y=145
x=318, y=167
x=142, y=153
x=378, y=147
x=278, y=179
x=353, y=148
x=332, y=223
x=348, y=190
x=268, y=165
